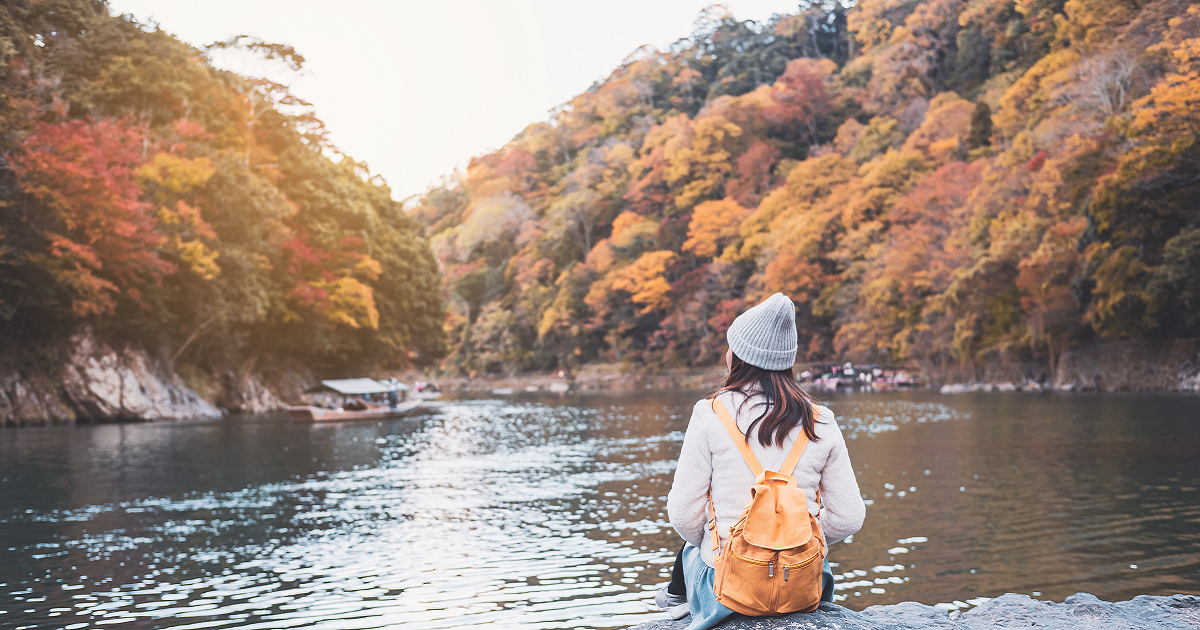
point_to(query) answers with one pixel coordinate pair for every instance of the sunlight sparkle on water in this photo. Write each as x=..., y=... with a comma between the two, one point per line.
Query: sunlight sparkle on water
x=544, y=513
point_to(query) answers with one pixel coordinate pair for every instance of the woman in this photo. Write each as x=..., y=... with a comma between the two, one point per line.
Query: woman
x=771, y=410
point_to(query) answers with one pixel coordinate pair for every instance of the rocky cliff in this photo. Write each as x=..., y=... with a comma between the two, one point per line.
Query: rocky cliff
x=95, y=382
x=1007, y=611
x=1164, y=365
x=1119, y=365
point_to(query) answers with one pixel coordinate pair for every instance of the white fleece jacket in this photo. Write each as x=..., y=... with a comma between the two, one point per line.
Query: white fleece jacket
x=710, y=456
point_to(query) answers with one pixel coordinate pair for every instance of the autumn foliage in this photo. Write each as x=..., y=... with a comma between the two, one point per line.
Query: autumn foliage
x=100, y=234
x=192, y=211
x=937, y=182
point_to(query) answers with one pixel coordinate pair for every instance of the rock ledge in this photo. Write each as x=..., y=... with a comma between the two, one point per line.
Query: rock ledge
x=1080, y=610
x=98, y=383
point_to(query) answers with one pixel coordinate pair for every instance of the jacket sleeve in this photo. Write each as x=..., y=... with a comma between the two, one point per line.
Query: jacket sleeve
x=687, y=502
x=844, y=508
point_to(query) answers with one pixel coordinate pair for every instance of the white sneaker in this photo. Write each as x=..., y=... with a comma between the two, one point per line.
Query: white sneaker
x=672, y=604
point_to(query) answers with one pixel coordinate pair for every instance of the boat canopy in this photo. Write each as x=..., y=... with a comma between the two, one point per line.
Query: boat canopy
x=357, y=386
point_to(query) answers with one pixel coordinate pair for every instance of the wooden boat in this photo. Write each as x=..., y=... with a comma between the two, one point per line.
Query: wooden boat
x=308, y=413
x=358, y=387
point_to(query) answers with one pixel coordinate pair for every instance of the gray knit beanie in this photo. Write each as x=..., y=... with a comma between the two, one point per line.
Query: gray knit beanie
x=765, y=335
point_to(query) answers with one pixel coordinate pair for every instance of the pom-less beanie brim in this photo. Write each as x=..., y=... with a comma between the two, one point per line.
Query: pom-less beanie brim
x=765, y=335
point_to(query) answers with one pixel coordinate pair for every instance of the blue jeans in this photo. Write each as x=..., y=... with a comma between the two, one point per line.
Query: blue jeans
x=698, y=577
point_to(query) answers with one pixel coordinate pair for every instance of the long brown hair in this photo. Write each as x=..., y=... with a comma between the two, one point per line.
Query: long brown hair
x=786, y=403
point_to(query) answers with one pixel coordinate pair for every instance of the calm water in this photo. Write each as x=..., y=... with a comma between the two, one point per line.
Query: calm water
x=549, y=513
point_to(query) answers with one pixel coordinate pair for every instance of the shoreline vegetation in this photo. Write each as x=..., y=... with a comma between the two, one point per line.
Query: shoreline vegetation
x=997, y=193
x=1172, y=366
x=100, y=384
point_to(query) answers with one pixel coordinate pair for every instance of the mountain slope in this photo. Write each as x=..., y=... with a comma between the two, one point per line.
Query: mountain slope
x=935, y=181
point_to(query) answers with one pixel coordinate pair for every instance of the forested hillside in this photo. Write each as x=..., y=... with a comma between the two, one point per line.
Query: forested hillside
x=193, y=212
x=942, y=182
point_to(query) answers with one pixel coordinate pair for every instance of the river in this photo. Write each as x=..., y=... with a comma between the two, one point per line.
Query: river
x=551, y=512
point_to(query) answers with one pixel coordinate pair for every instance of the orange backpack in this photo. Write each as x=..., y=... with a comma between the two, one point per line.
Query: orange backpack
x=772, y=561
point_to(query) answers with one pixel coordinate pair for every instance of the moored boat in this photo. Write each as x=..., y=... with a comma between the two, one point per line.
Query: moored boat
x=870, y=376
x=361, y=389
x=308, y=413
x=425, y=391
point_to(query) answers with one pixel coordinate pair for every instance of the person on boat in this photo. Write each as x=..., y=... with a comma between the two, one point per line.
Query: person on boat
x=771, y=410
x=393, y=394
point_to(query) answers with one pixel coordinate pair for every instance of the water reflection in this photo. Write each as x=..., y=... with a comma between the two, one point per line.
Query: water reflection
x=551, y=513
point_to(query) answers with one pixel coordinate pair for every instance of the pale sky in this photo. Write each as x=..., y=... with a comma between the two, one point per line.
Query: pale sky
x=416, y=89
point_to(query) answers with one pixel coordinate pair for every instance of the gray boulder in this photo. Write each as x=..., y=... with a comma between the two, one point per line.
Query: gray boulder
x=1080, y=610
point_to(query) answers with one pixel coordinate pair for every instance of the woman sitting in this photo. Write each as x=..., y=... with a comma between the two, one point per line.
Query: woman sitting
x=772, y=412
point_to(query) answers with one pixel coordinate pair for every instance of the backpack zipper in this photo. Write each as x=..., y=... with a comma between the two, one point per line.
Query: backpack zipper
x=798, y=565
x=761, y=563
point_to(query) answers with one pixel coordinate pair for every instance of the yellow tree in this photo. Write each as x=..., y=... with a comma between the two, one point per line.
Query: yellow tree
x=170, y=180
x=714, y=224
x=692, y=158
x=807, y=185
x=645, y=281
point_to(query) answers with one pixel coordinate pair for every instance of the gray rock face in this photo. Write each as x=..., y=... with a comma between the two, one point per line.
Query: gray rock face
x=31, y=398
x=245, y=393
x=1108, y=365
x=103, y=384
x=1171, y=364
x=99, y=383
x=1080, y=610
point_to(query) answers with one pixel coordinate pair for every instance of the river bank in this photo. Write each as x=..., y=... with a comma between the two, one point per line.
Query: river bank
x=1106, y=366
x=87, y=380
x=90, y=381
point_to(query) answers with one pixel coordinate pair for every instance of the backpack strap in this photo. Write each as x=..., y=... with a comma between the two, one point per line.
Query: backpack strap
x=712, y=523
x=739, y=439
x=793, y=458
